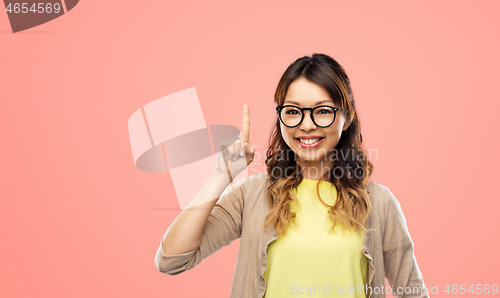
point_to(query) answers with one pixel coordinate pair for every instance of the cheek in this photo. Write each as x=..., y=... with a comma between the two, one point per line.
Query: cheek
x=333, y=135
x=287, y=134
x=336, y=130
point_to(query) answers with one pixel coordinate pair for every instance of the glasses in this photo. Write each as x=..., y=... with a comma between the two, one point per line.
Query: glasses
x=292, y=116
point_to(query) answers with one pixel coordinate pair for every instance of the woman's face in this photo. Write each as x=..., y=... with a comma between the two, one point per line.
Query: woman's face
x=305, y=94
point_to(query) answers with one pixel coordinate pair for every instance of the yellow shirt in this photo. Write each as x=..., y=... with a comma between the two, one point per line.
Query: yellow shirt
x=309, y=259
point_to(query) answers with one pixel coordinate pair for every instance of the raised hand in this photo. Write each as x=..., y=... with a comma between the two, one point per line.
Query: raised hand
x=236, y=153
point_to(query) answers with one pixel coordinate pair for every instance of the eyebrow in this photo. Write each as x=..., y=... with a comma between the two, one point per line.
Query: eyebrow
x=317, y=103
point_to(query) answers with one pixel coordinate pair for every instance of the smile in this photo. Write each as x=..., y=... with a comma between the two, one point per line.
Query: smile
x=309, y=143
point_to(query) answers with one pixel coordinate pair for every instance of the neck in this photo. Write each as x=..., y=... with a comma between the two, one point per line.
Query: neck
x=315, y=169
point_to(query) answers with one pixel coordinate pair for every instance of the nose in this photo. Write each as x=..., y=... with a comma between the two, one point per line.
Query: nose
x=307, y=123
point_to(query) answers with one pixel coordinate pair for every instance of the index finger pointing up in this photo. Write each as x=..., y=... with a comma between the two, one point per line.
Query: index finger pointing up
x=245, y=125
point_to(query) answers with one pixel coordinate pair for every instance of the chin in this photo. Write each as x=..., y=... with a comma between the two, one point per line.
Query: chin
x=310, y=157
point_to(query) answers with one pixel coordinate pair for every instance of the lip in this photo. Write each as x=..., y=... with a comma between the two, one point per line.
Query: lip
x=309, y=137
x=309, y=146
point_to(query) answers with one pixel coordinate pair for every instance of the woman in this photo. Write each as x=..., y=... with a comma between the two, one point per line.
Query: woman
x=312, y=224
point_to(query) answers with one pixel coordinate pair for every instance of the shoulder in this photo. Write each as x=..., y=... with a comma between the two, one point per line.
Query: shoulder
x=377, y=192
x=382, y=198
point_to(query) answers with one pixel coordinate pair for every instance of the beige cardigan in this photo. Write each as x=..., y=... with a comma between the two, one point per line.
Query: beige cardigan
x=240, y=212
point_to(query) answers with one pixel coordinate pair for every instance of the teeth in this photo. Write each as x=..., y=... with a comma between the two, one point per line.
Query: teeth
x=309, y=141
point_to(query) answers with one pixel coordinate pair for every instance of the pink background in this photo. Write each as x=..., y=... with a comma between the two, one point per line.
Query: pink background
x=79, y=220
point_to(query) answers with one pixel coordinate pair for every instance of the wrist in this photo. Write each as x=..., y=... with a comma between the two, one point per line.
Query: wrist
x=219, y=178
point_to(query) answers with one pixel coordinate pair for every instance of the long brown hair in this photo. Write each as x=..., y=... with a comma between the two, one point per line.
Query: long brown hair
x=349, y=174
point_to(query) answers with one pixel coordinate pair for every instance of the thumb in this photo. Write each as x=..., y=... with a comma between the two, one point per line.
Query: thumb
x=250, y=151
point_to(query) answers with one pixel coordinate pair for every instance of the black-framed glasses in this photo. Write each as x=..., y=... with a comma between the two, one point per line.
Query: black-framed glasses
x=292, y=116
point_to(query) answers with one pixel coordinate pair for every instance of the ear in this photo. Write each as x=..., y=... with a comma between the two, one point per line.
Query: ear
x=347, y=123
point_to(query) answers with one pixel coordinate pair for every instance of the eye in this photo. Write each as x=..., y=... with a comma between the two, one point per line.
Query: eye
x=291, y=111
x=325, y=111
